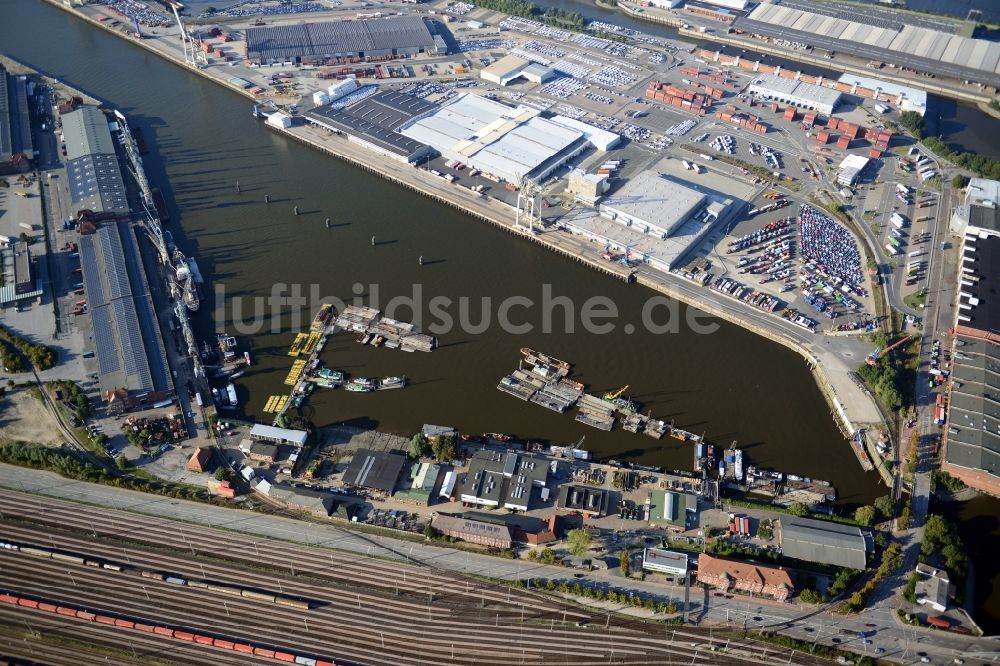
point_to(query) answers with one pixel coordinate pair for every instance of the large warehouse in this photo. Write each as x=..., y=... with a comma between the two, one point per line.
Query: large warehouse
x=797, y=93
x=393, y=36
x=898, y=44
x=16, y=146
x=508, y=143
x=95, y=179
x=374, y=123
x=823, y=541
x=126, y=336
x=972, y=434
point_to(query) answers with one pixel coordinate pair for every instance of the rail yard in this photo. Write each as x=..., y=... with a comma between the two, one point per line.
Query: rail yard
x=361, y=610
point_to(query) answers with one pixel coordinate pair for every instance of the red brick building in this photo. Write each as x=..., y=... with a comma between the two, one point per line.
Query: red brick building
x=747, y=577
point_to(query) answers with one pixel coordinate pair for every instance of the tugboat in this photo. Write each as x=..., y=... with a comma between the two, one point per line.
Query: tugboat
x=391, y=383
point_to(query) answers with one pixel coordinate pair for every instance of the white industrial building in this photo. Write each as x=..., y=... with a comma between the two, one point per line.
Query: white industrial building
x=504, y=142
x=738, y=5
x=979, y=214
x=598, y=138
x=850, y=169
x=904, y=97
x=664, y=561
x=658, y=218
x=797, y=93
x=279, y=120
x=340, y=89
x=587, y=187
x=508, y=69
x=666, y=4
x=654, y=205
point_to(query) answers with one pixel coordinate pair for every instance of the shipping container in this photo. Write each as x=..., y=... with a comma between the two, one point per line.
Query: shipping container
x=127, y=624
x=223, y=643
x=87, y=615
x=243, y=647
x=263, y=652
x=284, y=656
x=148, y=628
x=184, y=635
x=104, y=619
x=162, y=631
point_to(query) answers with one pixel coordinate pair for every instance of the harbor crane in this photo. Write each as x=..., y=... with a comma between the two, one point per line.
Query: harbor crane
x=527, y=193
x=873, y=358
x=616, y=394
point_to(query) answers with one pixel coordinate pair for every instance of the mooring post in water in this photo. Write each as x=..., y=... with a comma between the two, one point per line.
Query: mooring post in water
x=327, y=223
x=267, y=198
x=373, y=241
x=237, y=186
x=421, y=260
x=296, y=210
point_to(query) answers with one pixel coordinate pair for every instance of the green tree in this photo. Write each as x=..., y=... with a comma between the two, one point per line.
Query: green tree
x=886, y=506
x=810, y=596
x=958, y=181
x=865, y=515
x=121, y=463
x=417, y=446
x=623, y=562
x=445, y=449
x=912, y=121
x=82, y=407
x=903, y=521
x=578, y=541
x=221, y=473
x=548, y=556
x=798, y=509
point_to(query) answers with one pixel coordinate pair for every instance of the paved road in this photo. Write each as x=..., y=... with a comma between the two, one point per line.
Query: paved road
x=890, y=636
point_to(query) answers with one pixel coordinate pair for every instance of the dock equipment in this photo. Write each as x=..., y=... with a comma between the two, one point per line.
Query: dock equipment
x=295, y=372
x=615, y=394
x=296, y=348
x=873, y=358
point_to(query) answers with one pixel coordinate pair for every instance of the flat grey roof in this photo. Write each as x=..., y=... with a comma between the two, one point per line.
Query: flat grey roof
x=20, y=120
x=376, y=119
x=333, y=38
x=822, y=541
x=127, y=339
x=654, y=199
x=282, y=434
x=6, y=147
x=985, y=310
x=374, y=469
x=973, y=426
x=792, y=88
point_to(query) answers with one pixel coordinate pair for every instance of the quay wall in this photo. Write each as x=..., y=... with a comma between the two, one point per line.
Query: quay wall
x=555, y=241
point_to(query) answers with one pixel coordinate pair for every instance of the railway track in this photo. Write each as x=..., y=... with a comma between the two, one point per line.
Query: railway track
x=367, y=610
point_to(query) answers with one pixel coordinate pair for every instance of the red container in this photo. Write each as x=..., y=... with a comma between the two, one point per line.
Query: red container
x=203, y=640
x=222, y=643
x=284, y=656
x=84, y=615
x=8, y=598
x=148, y=628
x=128, y=624
x=62, y=610
x=29, y=603
x=243, y=647
x=264, y=652
x=45, y=606
x=184, y=635
x=163, y=631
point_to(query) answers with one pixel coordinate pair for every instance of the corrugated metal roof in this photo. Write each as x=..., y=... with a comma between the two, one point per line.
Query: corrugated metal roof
x=127, y=339
x=823, y=541
x=332, y=38
x=86, y=132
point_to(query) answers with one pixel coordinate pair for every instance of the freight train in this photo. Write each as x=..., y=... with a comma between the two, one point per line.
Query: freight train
x=233, y=590
x=167, y=631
